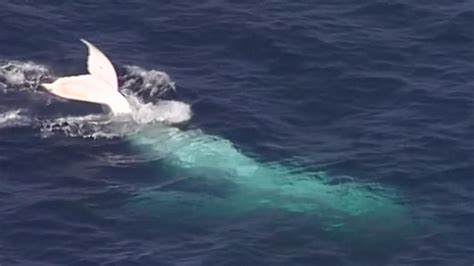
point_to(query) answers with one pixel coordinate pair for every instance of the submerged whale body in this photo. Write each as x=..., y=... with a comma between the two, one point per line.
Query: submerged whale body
x=252, y=186
x=255, y=185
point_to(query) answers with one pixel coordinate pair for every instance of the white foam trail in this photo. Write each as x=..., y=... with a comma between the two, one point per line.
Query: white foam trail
x=21, y=75
x=14, y=118
x=88, y=126
x=103, y=126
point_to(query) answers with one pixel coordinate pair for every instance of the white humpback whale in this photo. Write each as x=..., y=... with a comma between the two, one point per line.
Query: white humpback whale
x=256, y=185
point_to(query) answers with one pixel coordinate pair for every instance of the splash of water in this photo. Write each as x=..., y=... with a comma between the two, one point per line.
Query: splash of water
x=142, y=88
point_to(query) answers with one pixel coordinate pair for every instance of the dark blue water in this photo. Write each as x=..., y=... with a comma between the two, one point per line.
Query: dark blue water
x=382, y=92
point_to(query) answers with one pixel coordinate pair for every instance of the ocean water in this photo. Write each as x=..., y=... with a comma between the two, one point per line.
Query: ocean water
x=368, y=93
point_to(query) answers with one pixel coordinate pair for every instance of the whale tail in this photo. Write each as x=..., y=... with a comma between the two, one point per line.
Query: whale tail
x=99, y=86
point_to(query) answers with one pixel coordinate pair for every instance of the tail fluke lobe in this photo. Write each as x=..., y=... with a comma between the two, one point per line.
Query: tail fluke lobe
x=100, y=86
x=100, y=66
x=84, y=88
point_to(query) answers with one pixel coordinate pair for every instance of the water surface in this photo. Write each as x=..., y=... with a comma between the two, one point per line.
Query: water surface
x=381, y=92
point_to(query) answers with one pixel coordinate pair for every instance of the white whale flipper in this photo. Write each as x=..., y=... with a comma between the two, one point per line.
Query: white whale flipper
x=100, y=86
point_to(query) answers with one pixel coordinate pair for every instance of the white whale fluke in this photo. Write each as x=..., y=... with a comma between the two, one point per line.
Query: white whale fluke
x=100, y=86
